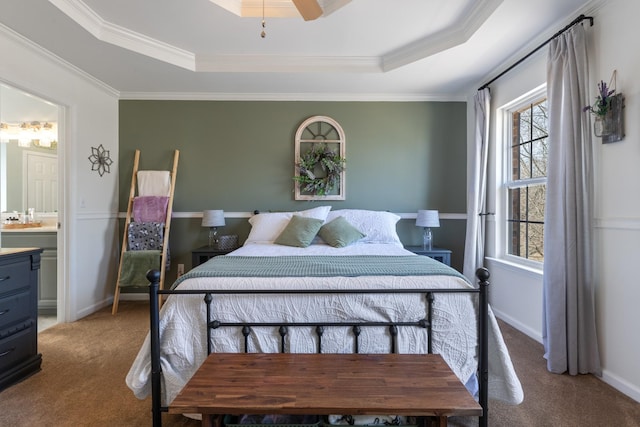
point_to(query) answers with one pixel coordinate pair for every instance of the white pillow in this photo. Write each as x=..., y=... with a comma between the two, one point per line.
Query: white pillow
x=266, y=227
x=377, y=226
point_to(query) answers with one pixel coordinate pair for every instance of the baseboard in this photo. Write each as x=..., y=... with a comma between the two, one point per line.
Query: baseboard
x=528, y=331
x=92, y=308
x=109, y=302
x=621, y=385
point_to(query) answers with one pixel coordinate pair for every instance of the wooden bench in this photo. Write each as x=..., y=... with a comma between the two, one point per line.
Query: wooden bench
x=321, y=384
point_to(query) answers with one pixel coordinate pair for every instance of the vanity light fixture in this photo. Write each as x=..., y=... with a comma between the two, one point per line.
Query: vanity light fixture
x=4, y=132
x=30, y=133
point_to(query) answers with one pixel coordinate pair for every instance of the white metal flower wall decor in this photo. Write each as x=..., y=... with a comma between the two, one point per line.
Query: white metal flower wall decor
x=100, y=160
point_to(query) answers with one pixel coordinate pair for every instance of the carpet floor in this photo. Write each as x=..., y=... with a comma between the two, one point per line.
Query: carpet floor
x=82, y=383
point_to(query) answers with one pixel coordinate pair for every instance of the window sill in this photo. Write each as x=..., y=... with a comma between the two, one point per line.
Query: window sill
x=519, y=268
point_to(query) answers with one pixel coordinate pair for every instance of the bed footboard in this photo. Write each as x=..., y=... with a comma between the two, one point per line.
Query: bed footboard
x=483, y=312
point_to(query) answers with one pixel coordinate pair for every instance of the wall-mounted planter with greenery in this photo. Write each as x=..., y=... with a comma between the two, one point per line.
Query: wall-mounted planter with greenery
x=608, y=114
x=610, y=127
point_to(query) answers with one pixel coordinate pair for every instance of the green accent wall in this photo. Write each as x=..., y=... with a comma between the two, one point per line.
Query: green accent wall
x=238, y=156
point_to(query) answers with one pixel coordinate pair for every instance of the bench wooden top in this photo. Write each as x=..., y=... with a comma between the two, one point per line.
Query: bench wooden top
x=322, y=384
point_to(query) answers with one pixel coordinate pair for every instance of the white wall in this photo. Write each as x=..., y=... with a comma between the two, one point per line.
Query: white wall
x=87, y=241
x=516, y=294
x=618, y=200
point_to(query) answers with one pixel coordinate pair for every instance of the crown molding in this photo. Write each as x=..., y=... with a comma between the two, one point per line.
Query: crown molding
x=57, y=61
x=458, y=33
x=147, y=46
x=303, y=97
x=225, y=96
x=287, y=64
x=114, y=34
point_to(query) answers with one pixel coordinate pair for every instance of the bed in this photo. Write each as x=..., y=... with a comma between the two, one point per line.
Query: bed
x=316, y=267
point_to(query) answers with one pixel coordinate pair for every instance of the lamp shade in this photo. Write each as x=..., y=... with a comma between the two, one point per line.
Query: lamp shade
x=213, y=218
x=428, y=218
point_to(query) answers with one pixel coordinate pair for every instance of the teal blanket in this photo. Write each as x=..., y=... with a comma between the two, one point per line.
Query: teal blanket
x=319, y=266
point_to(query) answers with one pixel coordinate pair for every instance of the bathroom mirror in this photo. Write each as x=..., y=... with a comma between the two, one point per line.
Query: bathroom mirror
x=28, y=152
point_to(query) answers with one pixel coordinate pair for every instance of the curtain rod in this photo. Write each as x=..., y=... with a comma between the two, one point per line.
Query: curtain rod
x=568, y=27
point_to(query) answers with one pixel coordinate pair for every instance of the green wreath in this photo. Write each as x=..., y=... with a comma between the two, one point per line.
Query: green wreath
x=318, y=157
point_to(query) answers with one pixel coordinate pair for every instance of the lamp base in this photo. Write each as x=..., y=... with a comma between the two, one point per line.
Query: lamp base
x=213, y=237
x=427, y=240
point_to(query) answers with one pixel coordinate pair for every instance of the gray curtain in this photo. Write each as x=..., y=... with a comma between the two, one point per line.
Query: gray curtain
x=569, y=331
x=474, y=242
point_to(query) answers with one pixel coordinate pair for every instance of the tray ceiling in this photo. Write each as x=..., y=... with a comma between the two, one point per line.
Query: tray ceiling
x=382, y=48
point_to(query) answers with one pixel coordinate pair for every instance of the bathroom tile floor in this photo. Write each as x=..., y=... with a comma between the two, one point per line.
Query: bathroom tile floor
x=45, y=322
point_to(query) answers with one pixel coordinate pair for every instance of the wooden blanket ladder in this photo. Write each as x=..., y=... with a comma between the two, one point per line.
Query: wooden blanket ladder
x=128, y=220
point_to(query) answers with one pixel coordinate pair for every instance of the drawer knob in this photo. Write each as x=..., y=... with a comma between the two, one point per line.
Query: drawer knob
x=2, y=279
x=4, y=311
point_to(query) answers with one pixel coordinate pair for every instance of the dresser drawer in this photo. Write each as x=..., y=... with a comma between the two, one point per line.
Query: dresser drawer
x=17, y=348
x=14, y=308
x=19, y=355
x=14, y=275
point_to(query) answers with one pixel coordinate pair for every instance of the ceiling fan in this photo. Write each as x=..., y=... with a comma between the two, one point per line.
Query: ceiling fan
x=308, y=9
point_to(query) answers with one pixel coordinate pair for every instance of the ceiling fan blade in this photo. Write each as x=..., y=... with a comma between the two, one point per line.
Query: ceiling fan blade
x=309, y=9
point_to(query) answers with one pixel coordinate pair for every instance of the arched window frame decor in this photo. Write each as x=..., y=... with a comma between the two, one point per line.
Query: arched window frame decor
x=320, y=130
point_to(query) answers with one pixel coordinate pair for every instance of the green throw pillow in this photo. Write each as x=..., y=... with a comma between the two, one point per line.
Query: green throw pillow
x=340, y=233
x=299, y=232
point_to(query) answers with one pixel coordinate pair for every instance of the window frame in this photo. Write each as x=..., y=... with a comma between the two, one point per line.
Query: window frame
x=504, y=153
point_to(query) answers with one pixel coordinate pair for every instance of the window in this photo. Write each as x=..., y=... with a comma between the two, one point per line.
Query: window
x=526, y=180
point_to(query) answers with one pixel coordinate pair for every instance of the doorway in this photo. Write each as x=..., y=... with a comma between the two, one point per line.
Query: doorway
x=29, y=190
x=40, y=181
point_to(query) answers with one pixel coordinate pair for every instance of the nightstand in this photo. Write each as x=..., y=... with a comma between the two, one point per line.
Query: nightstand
x=439, y=254
x=203, y=254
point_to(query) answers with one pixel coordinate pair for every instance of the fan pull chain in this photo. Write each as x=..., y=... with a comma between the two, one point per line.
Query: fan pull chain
x=263, y=34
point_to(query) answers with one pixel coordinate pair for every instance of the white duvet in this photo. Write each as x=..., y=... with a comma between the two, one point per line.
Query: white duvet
x=183, y=335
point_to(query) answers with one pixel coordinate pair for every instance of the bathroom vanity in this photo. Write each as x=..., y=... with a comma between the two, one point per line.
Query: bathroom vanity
x=44, y=237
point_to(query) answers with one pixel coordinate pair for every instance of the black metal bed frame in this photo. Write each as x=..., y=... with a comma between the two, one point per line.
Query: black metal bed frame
x=483, y=312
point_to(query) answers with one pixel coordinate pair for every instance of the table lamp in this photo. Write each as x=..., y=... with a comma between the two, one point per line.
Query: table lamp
x=213, y=219
x=427, y=219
